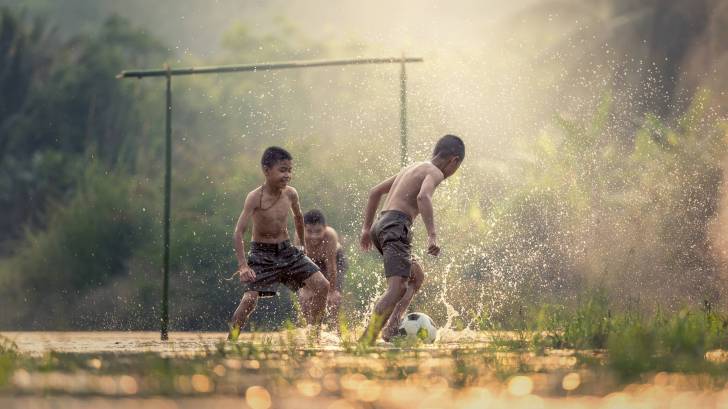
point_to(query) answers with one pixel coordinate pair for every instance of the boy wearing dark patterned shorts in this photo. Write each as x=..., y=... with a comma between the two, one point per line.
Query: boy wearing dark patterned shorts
x=324, y=248
x=409, y=193
x=273, y=260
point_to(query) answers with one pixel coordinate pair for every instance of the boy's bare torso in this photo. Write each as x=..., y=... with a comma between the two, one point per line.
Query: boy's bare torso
x=319, y=251
x=270, y=217
x=406, y=186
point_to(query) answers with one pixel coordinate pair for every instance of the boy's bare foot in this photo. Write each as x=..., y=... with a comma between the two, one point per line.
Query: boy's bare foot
x=390, y=331
x=366, y=340
x=313, y=333
x=363, y=345
x=234, y=333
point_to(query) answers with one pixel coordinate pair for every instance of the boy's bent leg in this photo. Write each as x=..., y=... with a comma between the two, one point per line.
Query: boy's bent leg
x=396, y=287
x=417, y=277
x=332, y=309
x=335, y=296
x=313, y=298
x=241, y=314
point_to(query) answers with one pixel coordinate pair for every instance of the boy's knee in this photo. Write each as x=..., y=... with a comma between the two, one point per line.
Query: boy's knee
x=319, y=283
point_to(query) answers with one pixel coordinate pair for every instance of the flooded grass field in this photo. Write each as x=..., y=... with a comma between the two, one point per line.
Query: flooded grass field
x=288, y=369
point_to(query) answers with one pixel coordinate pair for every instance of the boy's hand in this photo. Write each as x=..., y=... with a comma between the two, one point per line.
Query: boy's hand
x=365, y=241
x=432, y=248
x=246, y=274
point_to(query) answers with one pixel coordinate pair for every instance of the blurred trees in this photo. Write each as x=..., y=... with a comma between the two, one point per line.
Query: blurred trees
x=62, y=107
x=69, y=143
x=25, y=59
x=654, y=54
x=587, y=202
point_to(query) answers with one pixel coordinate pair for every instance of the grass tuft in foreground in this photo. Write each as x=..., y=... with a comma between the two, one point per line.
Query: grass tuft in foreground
x=635, y=343
x=8, y=360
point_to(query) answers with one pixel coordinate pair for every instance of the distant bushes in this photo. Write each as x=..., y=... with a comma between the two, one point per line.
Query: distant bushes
x=88, y=242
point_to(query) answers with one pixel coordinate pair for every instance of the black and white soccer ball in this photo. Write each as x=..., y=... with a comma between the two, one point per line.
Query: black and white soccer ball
x=418, y=326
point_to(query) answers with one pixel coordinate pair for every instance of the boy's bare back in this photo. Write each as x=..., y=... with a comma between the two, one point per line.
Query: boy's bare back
x=409, y=194
x=407, y=185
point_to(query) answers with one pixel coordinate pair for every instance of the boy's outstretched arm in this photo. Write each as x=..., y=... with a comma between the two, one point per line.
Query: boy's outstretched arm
x=246, y=273
x=424, y=204
x=375, y=196
x=297, y=217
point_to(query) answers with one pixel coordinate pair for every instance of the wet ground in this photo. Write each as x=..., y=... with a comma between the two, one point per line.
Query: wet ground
x=179, y=343
x=290, y=370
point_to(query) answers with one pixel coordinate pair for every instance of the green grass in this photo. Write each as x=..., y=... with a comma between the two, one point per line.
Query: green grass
x=8, y=360
x=635, y=343
x=673, y=343
x=622, y=346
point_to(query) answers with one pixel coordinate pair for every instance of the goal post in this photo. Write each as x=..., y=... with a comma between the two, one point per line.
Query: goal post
x=168, y=72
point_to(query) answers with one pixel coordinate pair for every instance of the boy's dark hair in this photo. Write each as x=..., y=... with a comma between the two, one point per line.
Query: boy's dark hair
x=314, y=217
x=449, y=146
x=273, y=155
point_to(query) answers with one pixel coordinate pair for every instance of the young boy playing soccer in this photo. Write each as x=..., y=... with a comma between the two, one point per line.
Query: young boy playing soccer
x=273, y=259
x=323, y=247
x=409, y=193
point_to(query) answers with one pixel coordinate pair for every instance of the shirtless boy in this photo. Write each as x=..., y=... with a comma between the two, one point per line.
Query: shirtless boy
x=409, y=193
x=324, y=248
x=272, y=258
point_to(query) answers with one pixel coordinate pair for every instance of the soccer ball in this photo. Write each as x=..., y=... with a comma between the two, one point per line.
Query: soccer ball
x=418, y=326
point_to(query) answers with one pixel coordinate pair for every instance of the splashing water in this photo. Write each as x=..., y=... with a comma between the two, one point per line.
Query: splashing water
x=448, y=334
x=451, y=312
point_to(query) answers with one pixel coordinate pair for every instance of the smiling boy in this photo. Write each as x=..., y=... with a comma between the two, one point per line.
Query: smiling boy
x=273, y=260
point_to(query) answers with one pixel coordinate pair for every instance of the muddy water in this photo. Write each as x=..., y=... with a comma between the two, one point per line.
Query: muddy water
x=182, y=343
x=195, y=343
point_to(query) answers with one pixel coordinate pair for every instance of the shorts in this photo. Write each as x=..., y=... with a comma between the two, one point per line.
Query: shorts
x=341, y=266
x=278, y=263
x=392, y=236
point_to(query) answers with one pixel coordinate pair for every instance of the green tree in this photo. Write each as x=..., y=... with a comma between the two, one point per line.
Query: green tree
x=63, y=107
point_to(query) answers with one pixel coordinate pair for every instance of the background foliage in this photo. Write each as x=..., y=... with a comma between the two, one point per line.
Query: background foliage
x=614, y=188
